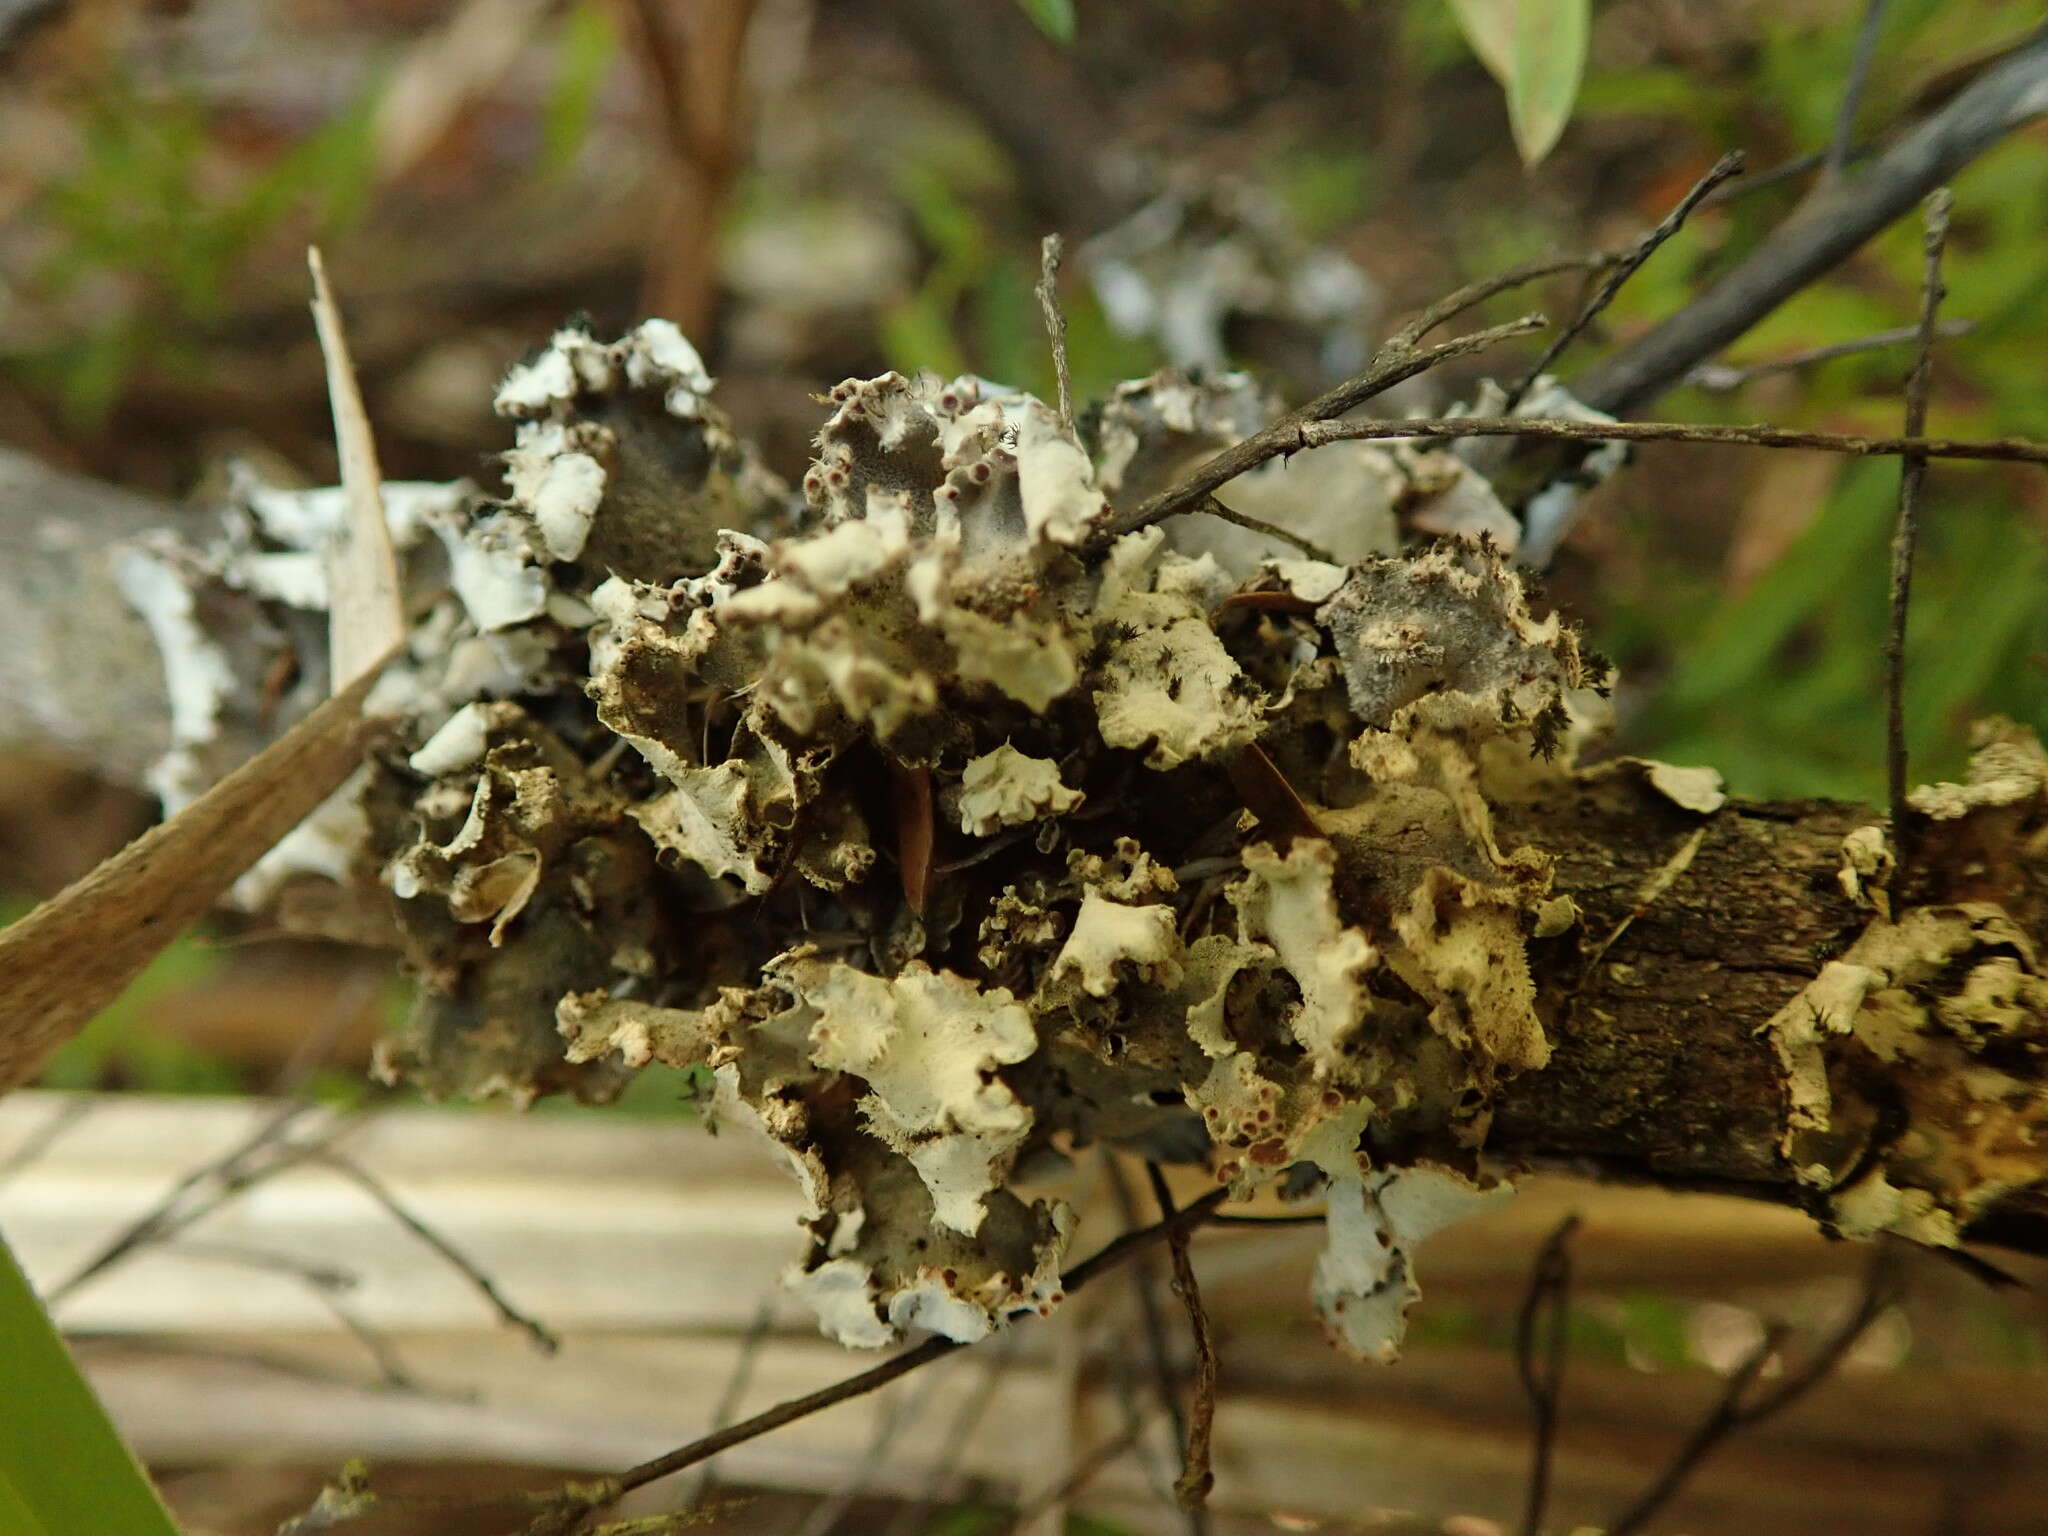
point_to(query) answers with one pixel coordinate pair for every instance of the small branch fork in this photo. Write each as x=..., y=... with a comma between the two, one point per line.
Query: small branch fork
x=1398, y=361
x=1912, y=472
x=1725, y=169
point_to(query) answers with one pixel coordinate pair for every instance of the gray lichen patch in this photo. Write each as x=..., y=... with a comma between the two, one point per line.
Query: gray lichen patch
x=949, y=835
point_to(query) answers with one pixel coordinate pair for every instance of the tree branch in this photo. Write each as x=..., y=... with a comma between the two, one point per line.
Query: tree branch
x=1826, y=229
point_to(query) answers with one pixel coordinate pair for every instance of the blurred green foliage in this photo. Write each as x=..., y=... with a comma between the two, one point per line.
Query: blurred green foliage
x=586, y=43
x=976, y=310
x=1781, y=685
x=147, y=211
x=1055, y=18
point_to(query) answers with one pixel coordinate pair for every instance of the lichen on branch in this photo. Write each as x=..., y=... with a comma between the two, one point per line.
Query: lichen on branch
x=951, y=833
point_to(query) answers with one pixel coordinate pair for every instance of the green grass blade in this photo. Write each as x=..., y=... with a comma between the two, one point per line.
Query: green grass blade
x=63, y=1468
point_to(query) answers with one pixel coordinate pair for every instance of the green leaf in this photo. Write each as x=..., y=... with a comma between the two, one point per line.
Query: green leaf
x=62, y=1467
x=1055, y=18
x=586, y=46
x=1489, y=26
x=1550, y=60
x=1537, y=50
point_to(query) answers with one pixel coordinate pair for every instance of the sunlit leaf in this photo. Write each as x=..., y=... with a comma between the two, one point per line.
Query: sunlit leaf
x=1489, y=26
x=1055, y=18
x=1537, y=50
x=1549, y=60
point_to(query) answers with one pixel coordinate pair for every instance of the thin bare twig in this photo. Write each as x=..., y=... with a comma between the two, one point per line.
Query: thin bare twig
x=1308, y=547
x=1196, y=1478
x=1165, y=1387
x=1545, y=1309
x=1084, y=1469
x=1736, y=1409
x=1050, y=249
x=1473, y=294
x=69, y=1111
x=901, y=1413
x=958, y=1433
x=1724, y=378
x=562, y=1511
x=1726, y=168
x=233, y=1172
x=2004, y=450
x=1912, y=472
x=1837, y=156
x=460, y=1262
x=735, y=1391
x=1826, y=229
x=1312, y=1219
x=1398, y=361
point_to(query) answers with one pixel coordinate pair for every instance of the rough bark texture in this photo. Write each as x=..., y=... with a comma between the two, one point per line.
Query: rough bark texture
x=1659, y=1066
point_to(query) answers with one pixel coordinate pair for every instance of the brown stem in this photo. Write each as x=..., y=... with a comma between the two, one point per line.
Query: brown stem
x=1912, y=472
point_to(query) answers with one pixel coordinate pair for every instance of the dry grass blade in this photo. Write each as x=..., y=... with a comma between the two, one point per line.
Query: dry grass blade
x=73, y=955
x=365, y=618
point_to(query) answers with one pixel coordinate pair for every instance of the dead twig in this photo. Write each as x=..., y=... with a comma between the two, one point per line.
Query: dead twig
x=77, y=952
x=1050, y=249
x=1826, y=229
x=735, y=1390
x=1398, y=361
x=1736, y=1409
x=2002, y=450
x=254, y=1159
x=1728, y=167
x=1839, y=145
x=1540, y=1339
x=1082, y=1470
x=1459, y=300
x=1308, y=547
x=691, y=57
x=1166, y=1388
x=1912, y=472
x=1196, y=1478
x=563, y=1511
x=1724, y=378
x=461, y=1263
x=69, y=1111
x=959, y=1432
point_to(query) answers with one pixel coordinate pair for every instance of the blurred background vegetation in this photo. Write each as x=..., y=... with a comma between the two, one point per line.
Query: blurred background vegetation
x=822, y=190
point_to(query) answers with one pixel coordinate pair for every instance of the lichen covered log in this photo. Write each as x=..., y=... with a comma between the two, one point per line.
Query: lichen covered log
x=952, y=837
